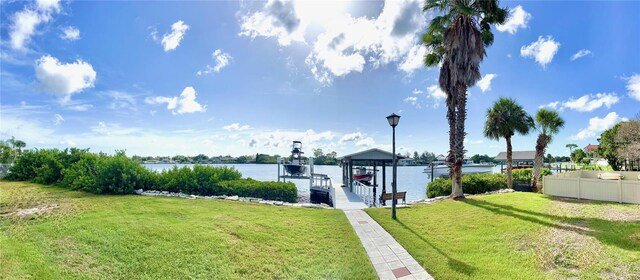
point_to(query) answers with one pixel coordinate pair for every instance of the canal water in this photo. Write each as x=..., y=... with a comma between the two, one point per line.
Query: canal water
x=411, y=179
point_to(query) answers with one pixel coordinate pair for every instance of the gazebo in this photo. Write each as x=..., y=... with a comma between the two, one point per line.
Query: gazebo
x=375, y=157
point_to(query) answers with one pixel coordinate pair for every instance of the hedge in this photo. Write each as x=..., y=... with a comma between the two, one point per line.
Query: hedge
x=526, y=175
x=103, y=174
x=285, y=191
x=471, y=184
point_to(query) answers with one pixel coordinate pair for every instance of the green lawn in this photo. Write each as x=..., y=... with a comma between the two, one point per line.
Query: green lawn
x=520, y=236
x=79, y=235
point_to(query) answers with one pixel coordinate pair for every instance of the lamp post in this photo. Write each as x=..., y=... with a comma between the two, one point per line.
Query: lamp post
x=393, y=122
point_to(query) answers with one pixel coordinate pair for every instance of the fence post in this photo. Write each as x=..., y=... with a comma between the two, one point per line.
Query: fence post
x=579, y=195
x=619, y=190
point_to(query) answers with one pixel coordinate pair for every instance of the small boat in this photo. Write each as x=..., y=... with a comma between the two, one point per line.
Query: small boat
x=440, y=169
x=296, y=166
x=361, y=174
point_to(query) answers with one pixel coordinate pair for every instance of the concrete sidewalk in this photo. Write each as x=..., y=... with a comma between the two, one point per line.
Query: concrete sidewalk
x=388, y=257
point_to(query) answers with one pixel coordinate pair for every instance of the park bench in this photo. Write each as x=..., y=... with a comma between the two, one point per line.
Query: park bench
x=399, y=195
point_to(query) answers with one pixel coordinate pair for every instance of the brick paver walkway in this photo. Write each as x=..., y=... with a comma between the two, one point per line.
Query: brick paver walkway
x=388, y=257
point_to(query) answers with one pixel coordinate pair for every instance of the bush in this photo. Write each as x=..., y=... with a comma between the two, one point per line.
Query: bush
x=81, y=175
x=266, y=190
x=526, y=175
x=121, y=175
x=471, y=184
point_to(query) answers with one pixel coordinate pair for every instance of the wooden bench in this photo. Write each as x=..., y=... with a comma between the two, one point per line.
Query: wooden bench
x=389, y=196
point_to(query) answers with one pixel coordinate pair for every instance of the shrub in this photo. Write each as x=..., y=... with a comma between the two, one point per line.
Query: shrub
x=471, y=184
x=526, y=175
x=119, y=174
x=81, y=175
x=285, y=191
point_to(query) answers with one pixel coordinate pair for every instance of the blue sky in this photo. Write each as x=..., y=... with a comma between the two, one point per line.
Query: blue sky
x=235, y=78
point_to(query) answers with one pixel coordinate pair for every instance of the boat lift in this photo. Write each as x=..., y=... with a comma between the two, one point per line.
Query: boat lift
x=320, y=185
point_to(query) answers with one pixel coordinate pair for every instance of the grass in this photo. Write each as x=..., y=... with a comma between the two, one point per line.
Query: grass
x=520, y=236
x=53, y=233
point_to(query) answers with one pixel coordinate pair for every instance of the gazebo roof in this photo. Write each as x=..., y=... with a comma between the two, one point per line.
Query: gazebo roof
x=517, y=155
x=374, y=154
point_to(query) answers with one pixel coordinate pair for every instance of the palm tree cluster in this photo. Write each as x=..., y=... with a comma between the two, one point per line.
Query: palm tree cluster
x=10, y=149
x=456, y=40
x=506, y=118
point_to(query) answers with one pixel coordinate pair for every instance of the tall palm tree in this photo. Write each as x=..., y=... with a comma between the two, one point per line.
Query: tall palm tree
x=19, y=144
x=504, y=119
x=548, y=123
x=456, y=39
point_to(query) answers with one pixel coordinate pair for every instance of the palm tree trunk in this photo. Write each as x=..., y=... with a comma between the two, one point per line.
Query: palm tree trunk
x=461, y=103
x=509, y=163
x=541, y=145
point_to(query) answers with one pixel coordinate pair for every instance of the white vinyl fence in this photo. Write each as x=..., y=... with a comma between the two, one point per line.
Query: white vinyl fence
x=583, y=184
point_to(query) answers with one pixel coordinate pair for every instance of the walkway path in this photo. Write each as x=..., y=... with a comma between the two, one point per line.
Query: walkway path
x=345, y=199
x=388, y=257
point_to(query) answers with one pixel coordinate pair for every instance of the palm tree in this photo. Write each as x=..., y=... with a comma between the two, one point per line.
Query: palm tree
x=548, y=123
x=571, y=147
x=456, y=39
x=19, y=144
x=504, y=119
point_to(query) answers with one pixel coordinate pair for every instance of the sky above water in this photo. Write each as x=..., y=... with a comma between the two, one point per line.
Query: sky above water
x=236, y=78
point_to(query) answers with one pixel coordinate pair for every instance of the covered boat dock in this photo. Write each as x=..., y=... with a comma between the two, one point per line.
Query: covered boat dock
x=372, y=157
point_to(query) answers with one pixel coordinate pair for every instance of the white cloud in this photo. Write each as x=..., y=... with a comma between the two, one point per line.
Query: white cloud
x=70, y=33
x=413, y=100
x=170, y=41
x=185, y=103
x=121, y=100
x=414, y=59
x=552, y=105
x=598, y=125
x=25, y=22
x=580, y=53
x=277, y=19
x=222, y=60
x=344, y=44
x=473, y=142
x=80, y=107
x=64, y=79
x=236, y=127
x=518, y=18
x=590, y=102
x=58, y=119
x=633, y=86
x=68, y=143
x=542, y=50
x=485, y=83
x=366, y=142
x=350, y=137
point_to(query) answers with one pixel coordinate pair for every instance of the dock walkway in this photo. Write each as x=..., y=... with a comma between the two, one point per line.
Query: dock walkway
x=389, y=258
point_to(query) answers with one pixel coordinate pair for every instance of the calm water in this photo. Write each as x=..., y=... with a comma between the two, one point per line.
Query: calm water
x=410, y=178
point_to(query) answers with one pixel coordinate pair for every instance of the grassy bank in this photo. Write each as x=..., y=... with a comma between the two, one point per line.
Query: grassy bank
x=520, y=236
x=54, y=233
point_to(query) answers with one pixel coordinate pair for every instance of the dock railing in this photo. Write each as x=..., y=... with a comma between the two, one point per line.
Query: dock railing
x=323, y=182
x=364, y=192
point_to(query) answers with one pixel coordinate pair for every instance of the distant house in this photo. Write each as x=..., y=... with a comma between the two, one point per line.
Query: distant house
x=407, y=161
x=591, y=150
x=519, y=157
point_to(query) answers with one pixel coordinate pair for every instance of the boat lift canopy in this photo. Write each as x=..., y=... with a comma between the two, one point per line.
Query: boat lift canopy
x=376, y=157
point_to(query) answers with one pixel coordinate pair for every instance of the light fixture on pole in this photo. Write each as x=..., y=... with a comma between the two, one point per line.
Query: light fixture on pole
x=393, y=122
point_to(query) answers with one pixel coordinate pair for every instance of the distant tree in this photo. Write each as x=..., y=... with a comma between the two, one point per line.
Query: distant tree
x=628, y=139
x=548, y=123
x=317, y=153
x=201, y=158
x=19, y=144
x=416, y=156
x=456, y=40
x=608, y=147
x=571, y=147
x=578, y=155
x=482, y=158
x=504, y=119
x=550, y=158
